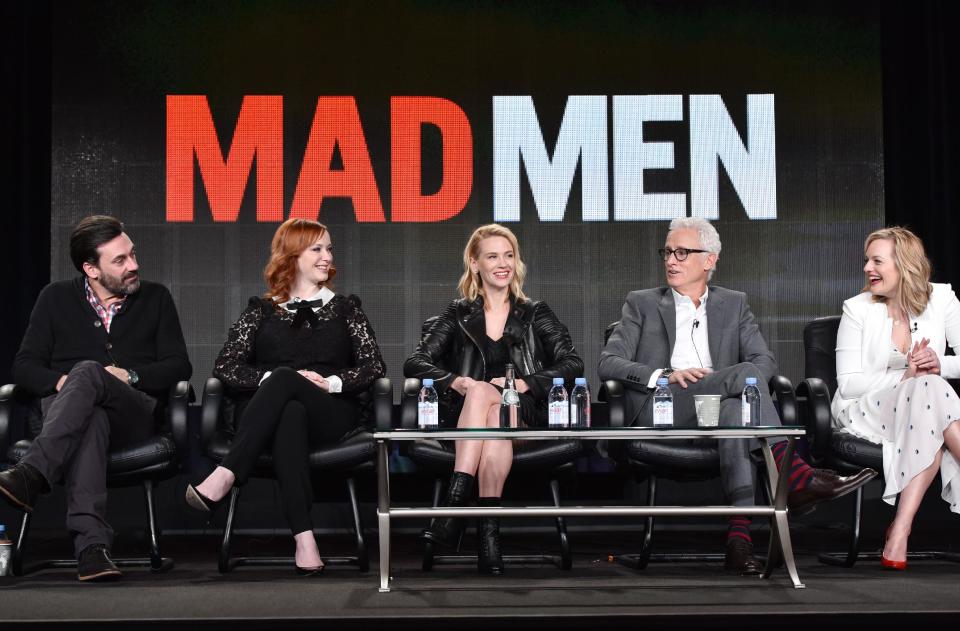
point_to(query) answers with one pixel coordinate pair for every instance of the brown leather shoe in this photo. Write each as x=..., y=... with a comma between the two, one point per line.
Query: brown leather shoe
x=95, y=564
x=21, y=485
x=826, y=485
x=740, y=559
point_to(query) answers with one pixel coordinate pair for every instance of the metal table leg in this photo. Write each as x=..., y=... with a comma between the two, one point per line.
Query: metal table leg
x=779, y=527
x=383, y=512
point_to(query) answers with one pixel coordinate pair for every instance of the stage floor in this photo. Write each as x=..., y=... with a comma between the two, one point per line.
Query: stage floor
x=595, y=591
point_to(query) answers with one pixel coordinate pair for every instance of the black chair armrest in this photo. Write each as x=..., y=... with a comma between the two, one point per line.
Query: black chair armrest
x=7, y=394
x=814, y=395
x=210, y=409
x=383, y=404
x=177, y=409
x=611, y=391
x=408, y=403
x=782, y=390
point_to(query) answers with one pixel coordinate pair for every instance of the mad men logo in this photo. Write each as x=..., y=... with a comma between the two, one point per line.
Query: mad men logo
x=750, y=161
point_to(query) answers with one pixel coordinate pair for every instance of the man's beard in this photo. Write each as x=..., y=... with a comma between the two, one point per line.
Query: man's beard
x=117, y=286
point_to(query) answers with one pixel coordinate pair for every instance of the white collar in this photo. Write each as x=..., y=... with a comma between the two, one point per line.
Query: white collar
x=678, y=297
x=324, y=294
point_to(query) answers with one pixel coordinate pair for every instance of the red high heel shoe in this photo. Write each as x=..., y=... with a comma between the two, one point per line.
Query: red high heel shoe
x=889, y=564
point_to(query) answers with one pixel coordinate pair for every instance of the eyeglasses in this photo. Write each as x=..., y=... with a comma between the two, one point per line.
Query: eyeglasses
x=680, y=253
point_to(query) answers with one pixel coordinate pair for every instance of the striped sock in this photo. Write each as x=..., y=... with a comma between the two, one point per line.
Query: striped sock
x=799, y=472
x=739, y=527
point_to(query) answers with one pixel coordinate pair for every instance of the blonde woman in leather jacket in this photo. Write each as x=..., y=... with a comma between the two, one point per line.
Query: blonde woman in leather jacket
x=465, y=350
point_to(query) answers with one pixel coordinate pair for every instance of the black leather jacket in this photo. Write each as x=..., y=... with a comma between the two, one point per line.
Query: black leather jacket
x=540, y=347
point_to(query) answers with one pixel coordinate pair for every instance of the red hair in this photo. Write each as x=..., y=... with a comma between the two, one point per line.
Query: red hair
x=290, y=240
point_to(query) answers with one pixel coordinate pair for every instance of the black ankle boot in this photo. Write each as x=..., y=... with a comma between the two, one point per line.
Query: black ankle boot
x=489, y=558
x=448, y=531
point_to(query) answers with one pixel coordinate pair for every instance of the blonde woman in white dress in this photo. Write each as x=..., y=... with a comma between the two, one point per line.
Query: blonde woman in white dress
x=891, y=378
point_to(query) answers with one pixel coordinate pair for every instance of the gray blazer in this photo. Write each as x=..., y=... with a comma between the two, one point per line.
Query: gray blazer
x=643, y=340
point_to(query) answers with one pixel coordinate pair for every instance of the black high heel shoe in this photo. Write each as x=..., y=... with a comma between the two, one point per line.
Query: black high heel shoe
x=198, y=501
x=309, y=571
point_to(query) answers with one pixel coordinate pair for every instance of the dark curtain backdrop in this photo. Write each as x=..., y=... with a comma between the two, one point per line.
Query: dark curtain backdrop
x=921, y=144
x=921, y=133
x=24, y=165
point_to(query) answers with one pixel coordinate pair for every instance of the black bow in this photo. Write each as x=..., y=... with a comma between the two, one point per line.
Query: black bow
x=305, y=313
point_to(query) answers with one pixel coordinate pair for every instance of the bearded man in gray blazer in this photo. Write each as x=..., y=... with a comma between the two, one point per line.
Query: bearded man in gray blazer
x=705, y=340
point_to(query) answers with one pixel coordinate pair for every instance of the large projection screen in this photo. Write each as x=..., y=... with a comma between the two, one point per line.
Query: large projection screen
x=404, y=125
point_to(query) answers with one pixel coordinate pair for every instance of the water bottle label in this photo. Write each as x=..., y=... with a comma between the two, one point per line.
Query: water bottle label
x=6, y=552
x=558, y=413
x=511, y=397
x=428, y=414
x=744, y=410
x=662, y=413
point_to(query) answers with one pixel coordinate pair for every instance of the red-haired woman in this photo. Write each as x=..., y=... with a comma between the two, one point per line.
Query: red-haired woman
x=302, y=352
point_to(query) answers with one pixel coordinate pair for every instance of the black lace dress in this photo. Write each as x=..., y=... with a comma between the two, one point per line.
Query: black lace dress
x=287, y=412
x=339, y=341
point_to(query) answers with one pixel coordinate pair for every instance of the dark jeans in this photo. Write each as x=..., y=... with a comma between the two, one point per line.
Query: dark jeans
x=93, y=412
x=293, y=413
x=736, y=463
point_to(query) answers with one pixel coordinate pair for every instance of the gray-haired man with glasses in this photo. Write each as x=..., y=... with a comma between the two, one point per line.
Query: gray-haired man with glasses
x=705, y=340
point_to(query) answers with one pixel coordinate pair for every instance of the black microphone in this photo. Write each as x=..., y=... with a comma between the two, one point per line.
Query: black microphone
x=914, y=328
x=696, y=324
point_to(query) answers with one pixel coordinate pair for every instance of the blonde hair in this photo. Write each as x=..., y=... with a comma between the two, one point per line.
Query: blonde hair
x=911, y=260
x=289, y=241
x=470, y=285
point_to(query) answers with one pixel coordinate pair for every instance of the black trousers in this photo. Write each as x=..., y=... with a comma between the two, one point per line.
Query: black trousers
x=93, y=412
x=291, y=413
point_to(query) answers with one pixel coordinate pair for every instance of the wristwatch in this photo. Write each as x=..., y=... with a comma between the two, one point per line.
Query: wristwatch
x=132, y=377
x=666, y=372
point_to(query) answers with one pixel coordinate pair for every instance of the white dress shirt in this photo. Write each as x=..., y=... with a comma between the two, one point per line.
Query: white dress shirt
x=691, y=349
x=336, y=384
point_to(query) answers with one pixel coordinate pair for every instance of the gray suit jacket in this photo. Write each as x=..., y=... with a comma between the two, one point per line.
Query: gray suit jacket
x=643, y=340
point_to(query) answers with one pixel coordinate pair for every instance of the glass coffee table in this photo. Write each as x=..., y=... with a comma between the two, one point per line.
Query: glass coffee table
x=777, y=510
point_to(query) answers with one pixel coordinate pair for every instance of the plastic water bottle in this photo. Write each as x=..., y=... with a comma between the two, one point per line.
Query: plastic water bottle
x=6, y=551
x=580, y=404
x=558, y=406
x=662, y=404
x=510, y=400
x=750, y=403
x=428, y=409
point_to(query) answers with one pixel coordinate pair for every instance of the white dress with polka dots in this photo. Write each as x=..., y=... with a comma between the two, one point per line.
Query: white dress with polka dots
x=908, y=419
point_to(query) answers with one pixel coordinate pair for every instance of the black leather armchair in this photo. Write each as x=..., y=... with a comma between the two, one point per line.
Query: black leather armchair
x=348, y=459
x=143, y=464
x=835, y=449
x=685, y=461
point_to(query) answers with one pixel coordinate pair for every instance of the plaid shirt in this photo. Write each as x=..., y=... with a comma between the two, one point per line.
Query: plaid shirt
x=106, y=313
